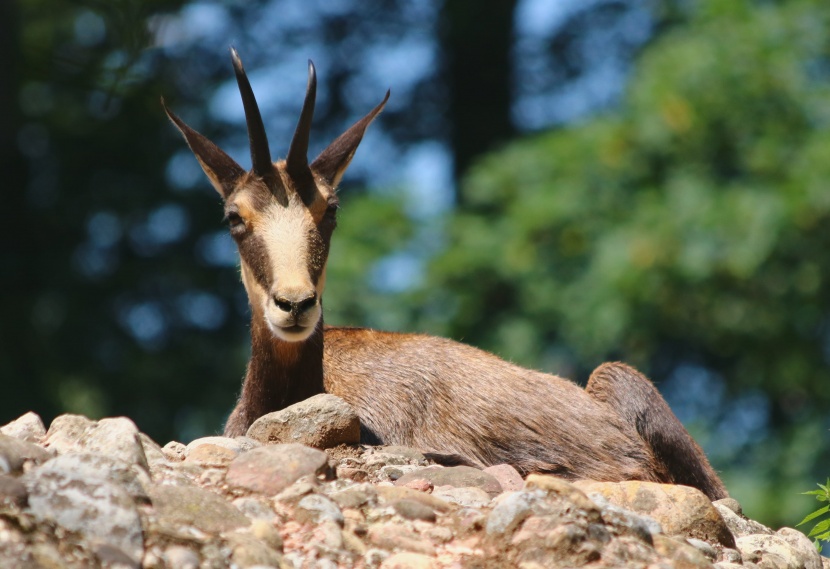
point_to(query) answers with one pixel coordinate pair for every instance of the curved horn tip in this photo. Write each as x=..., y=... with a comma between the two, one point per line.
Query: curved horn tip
x=237, y=62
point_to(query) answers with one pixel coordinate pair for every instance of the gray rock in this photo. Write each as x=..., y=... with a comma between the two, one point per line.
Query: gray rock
x=323, y=421
x=803, y=546
x=238, y=444
x=316, y=508
x=192, y=506
x=156, y=459
x=271, y=469
x=14, y=453
x=133, y=479
x=511, y=509
x=181, y=557
x=254, y=508
x=468, y=497
x=739, y=525
x=412, y=510
x=66, y=433
x=28, y=427
x=100, y=511
x=772, y=551
x=248, y=552
x=456, y=476
x=174, y=451
x=117, y=437
x=356, y=496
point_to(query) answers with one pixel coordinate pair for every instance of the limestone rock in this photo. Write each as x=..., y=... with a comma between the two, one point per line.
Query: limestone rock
x=271, y=469
x=323, y=421
x=680, y=510
x=101, y=511
x=117, y=437
x=470, y=497
x=738, y=524
x=28, y=427
x=771, y=551
x=131, y=478
x=192, y=506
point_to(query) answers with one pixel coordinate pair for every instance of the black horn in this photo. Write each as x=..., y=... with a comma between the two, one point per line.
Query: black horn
x=297, y=160
x=260, y=153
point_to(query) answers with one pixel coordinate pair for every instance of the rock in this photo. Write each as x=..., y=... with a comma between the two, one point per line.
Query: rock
x=681, y=510
x=254, y=509
x=28, y=427
x=356, y=496
x=131, y=478
x=731, y=504
x=803, y=546
x=14, y=453
x=192, y=506
x=682, y=554
x=117, y=437
x=456, y=476
x=771, y=551
x=407, y=560
x=391, y=494
x=315, y=508
x=469, y=497
x=181, y=557
x=211, y=455
x=237, y=445
x=12, y=492
x=738, y=524
x=156, y=459
x=510, y=510
x=174, y=451
x=322, y=421
x=248, y=551
x=271, y=469
x=564, y=489
x=392, y=536
x=412, y=510
x=508, y=477
x=100, y=511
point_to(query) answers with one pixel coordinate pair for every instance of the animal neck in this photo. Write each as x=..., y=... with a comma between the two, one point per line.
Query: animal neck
x=280, y=373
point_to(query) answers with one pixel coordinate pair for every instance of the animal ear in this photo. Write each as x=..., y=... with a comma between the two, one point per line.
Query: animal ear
x=333, y=161
x=222, y=171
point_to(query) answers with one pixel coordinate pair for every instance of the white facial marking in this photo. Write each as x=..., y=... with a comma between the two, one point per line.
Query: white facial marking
x=285, y=232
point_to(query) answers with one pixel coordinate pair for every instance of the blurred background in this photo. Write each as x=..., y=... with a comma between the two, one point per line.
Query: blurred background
x=561, y=183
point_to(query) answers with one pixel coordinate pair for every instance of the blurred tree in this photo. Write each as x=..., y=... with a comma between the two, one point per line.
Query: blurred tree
x=685, y=233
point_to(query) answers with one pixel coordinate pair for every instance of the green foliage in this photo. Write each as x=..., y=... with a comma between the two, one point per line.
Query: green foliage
x=821, y=530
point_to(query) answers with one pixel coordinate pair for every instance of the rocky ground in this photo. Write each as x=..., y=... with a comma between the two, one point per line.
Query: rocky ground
x=101, y=494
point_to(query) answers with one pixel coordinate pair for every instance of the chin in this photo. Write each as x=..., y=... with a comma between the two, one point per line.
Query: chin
x=292, y=333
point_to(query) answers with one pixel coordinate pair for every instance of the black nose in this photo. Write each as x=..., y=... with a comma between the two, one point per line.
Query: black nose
x=295, y=306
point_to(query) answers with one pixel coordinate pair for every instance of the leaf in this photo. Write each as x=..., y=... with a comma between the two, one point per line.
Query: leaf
x=821, y=527
x=814, y=515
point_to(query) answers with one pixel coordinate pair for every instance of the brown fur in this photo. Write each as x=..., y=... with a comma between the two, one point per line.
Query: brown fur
x=422, y=391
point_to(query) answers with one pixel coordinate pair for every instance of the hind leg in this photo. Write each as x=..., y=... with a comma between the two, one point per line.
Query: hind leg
x=638, y=402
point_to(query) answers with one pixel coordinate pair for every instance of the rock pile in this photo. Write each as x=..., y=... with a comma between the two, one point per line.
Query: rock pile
x=101, y=494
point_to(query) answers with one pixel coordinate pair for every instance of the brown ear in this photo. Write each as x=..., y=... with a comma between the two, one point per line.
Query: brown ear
x=222, y=171
x=333, y=161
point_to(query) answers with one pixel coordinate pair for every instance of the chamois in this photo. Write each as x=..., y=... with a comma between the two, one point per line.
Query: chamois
x=409, y=389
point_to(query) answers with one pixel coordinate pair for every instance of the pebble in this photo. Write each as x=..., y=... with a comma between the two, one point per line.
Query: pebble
x=507, y=476
x=196, y=507
x=271, y=469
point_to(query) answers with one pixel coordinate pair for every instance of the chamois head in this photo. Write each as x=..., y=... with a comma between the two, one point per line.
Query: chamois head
x=281, y=214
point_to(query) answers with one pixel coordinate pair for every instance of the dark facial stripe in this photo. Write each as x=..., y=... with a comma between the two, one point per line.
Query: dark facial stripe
x=254, y=253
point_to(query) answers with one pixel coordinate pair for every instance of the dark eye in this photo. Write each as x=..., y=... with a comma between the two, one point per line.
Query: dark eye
x=236, y=223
